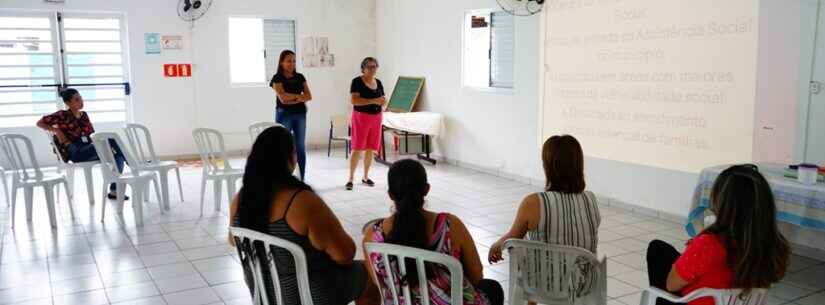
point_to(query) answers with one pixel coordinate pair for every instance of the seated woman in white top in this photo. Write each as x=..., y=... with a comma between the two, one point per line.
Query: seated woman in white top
x=564, y=214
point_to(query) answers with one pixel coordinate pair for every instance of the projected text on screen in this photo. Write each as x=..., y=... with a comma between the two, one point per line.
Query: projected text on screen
x=668, y=83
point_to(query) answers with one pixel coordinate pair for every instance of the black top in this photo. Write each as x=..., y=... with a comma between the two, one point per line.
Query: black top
x=293, y=85
x=319, y=263
x=359, y=86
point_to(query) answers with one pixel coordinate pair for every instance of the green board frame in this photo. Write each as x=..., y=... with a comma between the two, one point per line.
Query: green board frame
x=405, y=93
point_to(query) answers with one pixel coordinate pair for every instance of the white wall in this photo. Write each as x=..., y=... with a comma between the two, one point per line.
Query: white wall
x=498, y=132
x=416, y=40
x=172, y=107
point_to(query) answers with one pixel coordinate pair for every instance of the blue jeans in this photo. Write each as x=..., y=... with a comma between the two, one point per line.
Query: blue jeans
x=297, y=124
x=83, y=152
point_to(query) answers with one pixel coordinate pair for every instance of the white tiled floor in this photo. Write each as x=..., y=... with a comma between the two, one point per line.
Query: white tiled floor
x=181, y=258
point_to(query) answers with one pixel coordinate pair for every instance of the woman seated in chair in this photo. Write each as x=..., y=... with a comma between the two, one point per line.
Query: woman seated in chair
x=564, y=214
x=743, y=248
x=72, y=132
x=275, y=202
x=413, y=226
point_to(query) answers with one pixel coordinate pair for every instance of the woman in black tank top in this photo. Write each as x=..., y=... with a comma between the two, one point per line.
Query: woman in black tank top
x=275, y=202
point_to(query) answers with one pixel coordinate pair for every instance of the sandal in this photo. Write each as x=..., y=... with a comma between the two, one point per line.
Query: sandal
x=349, y=186
x=113, y=196
x=368, y=182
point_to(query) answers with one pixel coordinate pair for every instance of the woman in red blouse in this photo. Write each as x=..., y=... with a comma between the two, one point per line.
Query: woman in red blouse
x=742, y=249
x=73, y=130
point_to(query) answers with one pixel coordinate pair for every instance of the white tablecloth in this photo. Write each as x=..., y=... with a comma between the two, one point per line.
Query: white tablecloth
x=428, y=123
x=796, y=203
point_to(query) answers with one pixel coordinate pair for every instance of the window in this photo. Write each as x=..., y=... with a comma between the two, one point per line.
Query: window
x=254, y=47
x=32, y=67
x=488, y=50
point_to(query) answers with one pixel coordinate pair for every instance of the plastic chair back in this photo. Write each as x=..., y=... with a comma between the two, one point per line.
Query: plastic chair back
x=555, y=274
x=103, y=145
x=245, y=242
x=720, y=296
x=140, y=140
x=20, y=152
x=339, y=124
x=401, y=253
x=211, y=149
x=258, y=128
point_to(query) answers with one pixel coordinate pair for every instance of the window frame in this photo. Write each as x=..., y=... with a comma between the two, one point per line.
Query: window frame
x=60, y=62
x=488, y=88
x=265, y=83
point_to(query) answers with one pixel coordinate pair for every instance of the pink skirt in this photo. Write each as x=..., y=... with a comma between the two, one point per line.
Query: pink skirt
x=366, y=131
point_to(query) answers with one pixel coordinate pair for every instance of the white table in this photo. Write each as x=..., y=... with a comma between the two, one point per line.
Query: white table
x=799, y=206
x=425, y=124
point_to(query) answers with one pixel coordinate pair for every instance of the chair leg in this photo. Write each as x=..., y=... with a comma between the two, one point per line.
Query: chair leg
x=121, y=197
x=13, y=201
x=164, y=189
x=217, y=188
x=329, y=142
x=69, y=197
x=48, y=190
x=163, y=205
x=180, y=185
x=90, y=185
x=105, y=190
x=138, y=190
x=103, y=210
x=230, y=188
x=13, y=190
x=69, y=174
x=203, y=191
x=516, y=295
x=28, y=193
x=5, y=188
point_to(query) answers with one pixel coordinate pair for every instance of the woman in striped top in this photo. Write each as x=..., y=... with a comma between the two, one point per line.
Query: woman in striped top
x=564, y=214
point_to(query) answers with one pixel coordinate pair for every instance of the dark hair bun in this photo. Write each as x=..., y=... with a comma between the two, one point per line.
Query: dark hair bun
x=67, y=94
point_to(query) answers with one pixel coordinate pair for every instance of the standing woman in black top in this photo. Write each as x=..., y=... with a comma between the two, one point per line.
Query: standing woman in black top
x=292, y=93
x=367, y=104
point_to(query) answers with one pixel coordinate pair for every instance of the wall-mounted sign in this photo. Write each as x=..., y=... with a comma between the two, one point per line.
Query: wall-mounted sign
x=170, y=70
x=171, y=42
x=152, y=43
x=177, y=70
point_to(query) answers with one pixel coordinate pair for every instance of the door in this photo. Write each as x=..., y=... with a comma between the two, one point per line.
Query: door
x=815, y=130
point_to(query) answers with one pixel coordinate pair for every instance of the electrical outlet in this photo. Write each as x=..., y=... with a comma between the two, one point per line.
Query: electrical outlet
x=816, y=87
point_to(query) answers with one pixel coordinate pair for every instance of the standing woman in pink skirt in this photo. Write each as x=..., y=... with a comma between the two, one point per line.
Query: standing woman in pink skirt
x=367, y=104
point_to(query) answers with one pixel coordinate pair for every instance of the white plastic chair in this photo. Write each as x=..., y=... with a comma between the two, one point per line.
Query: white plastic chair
x=535, y=276
x=245, y=242
x=70, y=168
x=720, y=296
x=216, y=165
x=339, y=130
x=28, y=175
x=258, y=128
x=401, y=253
x=135, y=178
x=140, y=140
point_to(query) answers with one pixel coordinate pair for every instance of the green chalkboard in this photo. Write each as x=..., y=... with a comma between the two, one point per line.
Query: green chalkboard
x=405, y=93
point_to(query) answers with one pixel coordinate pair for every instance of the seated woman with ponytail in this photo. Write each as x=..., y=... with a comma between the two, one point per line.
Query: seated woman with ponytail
x=413, y=226
x=275, y=202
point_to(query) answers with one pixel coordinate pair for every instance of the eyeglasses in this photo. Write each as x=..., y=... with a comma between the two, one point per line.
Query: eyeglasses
x=371, y=67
